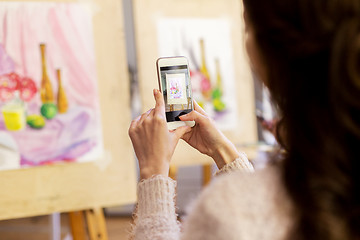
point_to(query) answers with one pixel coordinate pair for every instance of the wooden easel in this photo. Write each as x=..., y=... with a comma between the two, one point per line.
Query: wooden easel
x=95, y=221
x=107, y=182
x=206, y=170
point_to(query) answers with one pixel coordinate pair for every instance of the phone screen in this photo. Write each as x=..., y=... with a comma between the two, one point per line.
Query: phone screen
x=176, y=88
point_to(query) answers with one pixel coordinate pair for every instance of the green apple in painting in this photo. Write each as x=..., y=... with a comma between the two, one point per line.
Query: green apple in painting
x=35, y=121
x=48, y=110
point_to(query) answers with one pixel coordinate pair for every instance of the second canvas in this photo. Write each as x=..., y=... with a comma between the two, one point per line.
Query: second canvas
x=211, y=35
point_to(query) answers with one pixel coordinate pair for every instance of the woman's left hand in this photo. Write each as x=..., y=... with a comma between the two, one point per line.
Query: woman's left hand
x=153, y=143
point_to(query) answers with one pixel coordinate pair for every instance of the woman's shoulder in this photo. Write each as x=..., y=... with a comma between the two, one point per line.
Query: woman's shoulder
x=263, y=181
x=246, y=204
x=262, y=188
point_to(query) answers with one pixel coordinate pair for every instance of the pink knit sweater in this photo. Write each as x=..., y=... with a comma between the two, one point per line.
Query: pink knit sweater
x=239, y=204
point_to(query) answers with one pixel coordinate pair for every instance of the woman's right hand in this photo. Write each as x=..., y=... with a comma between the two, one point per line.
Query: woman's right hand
x=207, y=138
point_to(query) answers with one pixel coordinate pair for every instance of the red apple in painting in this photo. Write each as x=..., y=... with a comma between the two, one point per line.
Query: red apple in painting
x=195, y=81
x=27, y=89
x=15, y=79
x=5, y=94
x=200, y=82
x=8, y=84
x=11, y=82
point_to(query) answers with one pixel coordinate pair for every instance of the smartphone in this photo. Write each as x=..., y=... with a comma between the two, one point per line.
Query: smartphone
x=175, y=85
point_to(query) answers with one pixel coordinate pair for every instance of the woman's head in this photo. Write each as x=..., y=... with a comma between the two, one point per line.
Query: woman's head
x=308, y=53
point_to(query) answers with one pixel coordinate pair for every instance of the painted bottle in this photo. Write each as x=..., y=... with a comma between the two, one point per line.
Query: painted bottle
x=217, y=93
x=205, y=82
x=62, y=102
x=46, y=92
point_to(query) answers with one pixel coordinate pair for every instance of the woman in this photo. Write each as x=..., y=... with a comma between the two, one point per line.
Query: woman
x=307, y=52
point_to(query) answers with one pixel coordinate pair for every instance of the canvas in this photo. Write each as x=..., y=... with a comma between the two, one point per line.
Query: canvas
x=176, y=88
x=207, y=45
x=48, y=88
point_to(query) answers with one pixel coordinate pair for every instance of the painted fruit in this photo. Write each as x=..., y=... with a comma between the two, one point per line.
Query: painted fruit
x=8, y=84
x=27, y=88
x=35, y=121
x=219, y=106
x=48, y=110
x=216, y=93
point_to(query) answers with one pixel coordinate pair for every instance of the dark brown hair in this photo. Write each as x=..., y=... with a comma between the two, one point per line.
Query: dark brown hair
x=311, y=52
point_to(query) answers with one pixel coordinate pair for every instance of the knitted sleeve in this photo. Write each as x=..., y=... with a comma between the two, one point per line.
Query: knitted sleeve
x=155, y=216
x=241, y=163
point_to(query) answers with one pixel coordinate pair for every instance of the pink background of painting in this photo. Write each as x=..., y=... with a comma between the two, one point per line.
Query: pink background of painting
x=69, y=41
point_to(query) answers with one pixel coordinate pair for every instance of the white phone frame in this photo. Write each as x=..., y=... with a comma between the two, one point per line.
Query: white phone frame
x=174, y=61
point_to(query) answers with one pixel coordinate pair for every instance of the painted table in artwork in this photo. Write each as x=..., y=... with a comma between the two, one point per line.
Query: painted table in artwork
x=68, y=137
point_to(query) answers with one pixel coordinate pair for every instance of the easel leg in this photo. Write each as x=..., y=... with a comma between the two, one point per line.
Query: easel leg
x=55, y=229
x=207, y=174
x=77, y=225
x=96, y=224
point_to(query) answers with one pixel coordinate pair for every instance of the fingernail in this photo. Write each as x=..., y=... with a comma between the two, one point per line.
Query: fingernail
x=154, y=91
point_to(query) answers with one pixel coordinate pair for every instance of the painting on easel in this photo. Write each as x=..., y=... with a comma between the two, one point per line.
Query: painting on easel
x=207, y=45
x=48, y=88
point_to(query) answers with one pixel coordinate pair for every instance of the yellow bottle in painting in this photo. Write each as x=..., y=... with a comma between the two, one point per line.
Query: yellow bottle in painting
x=62, y=102
x=14, y=114
x=219, y=86
x=217, y=93
x=46, y=92
x=205, y=83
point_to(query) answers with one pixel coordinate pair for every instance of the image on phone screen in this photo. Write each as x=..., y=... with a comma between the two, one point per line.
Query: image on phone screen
x=176, y=88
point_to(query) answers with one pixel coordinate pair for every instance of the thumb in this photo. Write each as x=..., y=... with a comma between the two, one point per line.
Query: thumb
x=194, y=116
x=180, y=131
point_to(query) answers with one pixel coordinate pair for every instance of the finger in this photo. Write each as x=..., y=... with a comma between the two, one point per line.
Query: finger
x=160, y=104
x=150, y=111
x=135, y=121
x=199, y=109
x=133, y=125
x=137, y=118
x=194, y=116
x=144, y=115
x=180, y=131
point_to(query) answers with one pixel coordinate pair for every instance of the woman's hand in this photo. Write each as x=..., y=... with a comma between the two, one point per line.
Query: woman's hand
x=153, y=143
x=206, y=138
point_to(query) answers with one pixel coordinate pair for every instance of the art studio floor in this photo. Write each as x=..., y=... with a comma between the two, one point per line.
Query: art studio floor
x=37, y=228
